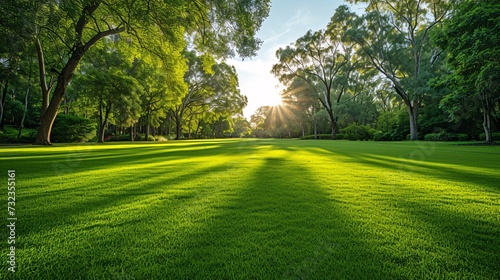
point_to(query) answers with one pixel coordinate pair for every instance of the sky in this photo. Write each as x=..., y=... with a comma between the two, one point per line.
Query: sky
x=287, y=21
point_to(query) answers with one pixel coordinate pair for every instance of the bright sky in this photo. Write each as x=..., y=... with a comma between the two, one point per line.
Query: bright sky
x=288, y=20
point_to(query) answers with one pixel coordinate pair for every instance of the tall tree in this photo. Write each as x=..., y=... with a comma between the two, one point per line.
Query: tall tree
x=73, y=27
x=212, y=88
x=472, y=41
x=393, y=35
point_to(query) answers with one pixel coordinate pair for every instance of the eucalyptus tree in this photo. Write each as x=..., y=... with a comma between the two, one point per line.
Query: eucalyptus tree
x=71, y=28
x=470, y=37
x=161, y=83
x=109, y=86
x=322, y=60
x=212, y=88
x=393, y=36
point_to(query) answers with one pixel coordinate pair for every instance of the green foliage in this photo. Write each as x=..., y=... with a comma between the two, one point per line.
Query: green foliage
x=338, y=136
x=13, y=111
x=495, y=136
x=71, y=129
x=382, y=136
x=117, y=138
x=471, y=38
x=9, y=135
x=444, y=136
x=358, y=132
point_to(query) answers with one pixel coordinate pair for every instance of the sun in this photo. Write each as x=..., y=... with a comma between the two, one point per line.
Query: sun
x=274, y=99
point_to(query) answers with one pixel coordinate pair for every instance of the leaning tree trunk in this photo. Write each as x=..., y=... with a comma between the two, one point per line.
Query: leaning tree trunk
x=49, y=114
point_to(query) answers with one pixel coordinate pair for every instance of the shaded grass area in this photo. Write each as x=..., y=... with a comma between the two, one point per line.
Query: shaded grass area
x=256, y=209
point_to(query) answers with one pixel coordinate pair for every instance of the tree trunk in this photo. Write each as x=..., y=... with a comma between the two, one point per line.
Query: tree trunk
x=103, y=121
x=315, y=131
x=2, y=105
x=178, y=131
x=21, y=126
x=487, y=120
x=48, y=115
x=131, y=129
x=412, y=107
x=413, y=114
x=333, y=123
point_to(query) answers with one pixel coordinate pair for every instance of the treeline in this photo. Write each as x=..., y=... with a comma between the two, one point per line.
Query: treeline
x=402, y=70
x=77, y=70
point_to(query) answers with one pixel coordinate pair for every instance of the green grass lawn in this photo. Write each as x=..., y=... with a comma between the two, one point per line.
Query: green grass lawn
x=254, y=209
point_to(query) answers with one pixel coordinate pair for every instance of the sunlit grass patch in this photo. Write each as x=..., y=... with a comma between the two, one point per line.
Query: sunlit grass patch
x=263, y=209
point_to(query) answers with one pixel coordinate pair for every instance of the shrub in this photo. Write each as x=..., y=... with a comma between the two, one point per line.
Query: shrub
x=113, y=138
x=433, y=137
x=319, y=136
x=381, y=136
x=457, y=137
x=69, y=129
x=494, y=135
x=443, y=136
x=358, y=132
x=9, y=135
x=161, y=138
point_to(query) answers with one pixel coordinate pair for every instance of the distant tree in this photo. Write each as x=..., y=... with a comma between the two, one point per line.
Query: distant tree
x=322, y=60
x=108, y=84
x=213, y=92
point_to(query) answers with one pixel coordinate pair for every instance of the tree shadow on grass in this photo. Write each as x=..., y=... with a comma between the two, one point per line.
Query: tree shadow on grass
x=278, y=226
x=429, y=169
x=462, y=244
x=57, y=208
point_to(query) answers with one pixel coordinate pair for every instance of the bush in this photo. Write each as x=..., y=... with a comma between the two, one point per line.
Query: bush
x=494, y=135
x=9, y=135
x=113, y=138
x=358, y=132
x=443, y=136
x=457, y=137
x=319, y=136
x=161, y=138
x=381, y=136
x=70, y=129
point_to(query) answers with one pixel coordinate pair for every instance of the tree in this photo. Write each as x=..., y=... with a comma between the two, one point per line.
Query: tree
x=212, y=88
x=472, y=41
x=71, y=28
x=322, y=60
x=162, y=85
x=107, y=83
x=393, y=35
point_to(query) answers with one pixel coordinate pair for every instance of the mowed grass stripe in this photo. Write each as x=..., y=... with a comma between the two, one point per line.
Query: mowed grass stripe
x=258, y=209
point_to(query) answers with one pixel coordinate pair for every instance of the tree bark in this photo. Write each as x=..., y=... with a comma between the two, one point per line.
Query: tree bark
x=131, y=129
x=333, y=123
x=487, y=120
x=412, y=106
